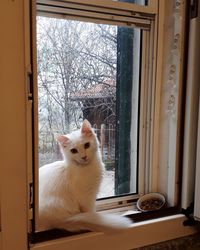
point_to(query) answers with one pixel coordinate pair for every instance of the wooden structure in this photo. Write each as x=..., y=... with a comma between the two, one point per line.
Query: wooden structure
x=98, y=104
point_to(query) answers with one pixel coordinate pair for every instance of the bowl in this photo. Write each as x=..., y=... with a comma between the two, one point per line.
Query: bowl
x=151, y=202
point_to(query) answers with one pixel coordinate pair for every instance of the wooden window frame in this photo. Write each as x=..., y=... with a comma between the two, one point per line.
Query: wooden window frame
x=134, y=13
x=14, y=171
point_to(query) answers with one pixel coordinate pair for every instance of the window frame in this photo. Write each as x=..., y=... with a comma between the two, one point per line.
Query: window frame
x=14, y=228
x=149, y=41
x=150, y=89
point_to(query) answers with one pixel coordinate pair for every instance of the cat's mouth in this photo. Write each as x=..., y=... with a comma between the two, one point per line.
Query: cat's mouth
x=83, y=162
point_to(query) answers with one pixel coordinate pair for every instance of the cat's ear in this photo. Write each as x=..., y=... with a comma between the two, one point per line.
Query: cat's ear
x=86, y=128
x=63, y=140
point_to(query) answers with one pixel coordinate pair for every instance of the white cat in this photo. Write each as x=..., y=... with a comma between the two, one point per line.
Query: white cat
x=68, y=188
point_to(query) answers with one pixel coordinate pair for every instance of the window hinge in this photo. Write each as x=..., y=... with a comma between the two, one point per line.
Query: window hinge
x=30, y=201
x=30, y=215
x=194, y=8
x=29, y=82
x=30, y=239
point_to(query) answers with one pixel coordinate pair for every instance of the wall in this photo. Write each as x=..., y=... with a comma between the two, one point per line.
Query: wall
x=13, y=127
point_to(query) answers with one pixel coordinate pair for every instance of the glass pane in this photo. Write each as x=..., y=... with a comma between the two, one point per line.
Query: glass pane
x=90, y=71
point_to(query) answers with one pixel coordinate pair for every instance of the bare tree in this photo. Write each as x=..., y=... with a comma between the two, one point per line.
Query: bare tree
x=73, y=59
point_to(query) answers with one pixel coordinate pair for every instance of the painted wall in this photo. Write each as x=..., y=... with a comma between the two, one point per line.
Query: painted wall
x=12, y=125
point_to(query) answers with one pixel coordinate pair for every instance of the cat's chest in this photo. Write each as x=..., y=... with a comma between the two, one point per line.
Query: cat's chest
x=84, y=179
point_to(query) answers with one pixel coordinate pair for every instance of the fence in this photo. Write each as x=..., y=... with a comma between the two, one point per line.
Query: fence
x=106, y=136
x=49, y=149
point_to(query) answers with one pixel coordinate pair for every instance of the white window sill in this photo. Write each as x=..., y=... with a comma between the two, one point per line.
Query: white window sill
x=140, y=234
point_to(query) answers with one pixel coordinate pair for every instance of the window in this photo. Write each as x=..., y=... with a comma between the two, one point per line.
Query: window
x=85, y=71
x=100, y=62
x=167, y=100
x=90, y=67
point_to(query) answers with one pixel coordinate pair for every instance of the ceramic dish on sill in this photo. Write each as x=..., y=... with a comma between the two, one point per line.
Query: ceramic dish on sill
x=151, y=202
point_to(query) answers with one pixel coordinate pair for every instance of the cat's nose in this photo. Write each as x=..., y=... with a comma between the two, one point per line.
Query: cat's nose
x=84, y=157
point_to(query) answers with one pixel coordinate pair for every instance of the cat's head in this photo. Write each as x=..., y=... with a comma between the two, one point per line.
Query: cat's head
x=79, y=146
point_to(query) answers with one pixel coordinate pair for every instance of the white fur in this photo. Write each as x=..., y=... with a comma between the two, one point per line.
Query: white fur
x=68, y=188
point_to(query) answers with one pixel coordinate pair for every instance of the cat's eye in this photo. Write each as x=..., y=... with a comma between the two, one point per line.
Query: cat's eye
x=86, y=145
x=74, y=151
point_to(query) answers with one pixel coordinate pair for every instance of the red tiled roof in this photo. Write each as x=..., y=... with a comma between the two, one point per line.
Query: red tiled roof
x=100, y=90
